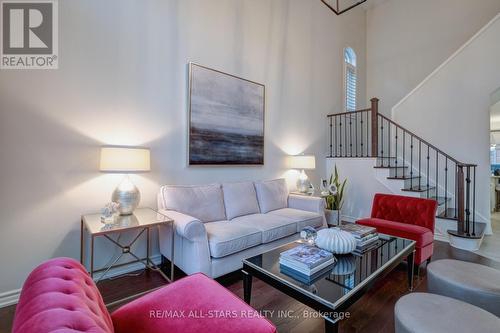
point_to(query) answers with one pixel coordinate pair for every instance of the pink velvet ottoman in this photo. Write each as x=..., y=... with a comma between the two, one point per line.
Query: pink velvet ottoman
x=59, y=296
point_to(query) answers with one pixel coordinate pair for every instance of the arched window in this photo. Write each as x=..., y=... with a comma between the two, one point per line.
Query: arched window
x=350, y=79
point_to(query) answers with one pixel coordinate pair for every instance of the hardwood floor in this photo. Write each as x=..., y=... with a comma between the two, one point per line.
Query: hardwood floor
x=372, y=313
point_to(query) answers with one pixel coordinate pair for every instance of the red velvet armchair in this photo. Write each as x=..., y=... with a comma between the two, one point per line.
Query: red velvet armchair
x=407, y=217
x=59, y=296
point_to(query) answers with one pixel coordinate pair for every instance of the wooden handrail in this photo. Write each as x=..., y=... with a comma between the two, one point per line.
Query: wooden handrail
x=348, y=112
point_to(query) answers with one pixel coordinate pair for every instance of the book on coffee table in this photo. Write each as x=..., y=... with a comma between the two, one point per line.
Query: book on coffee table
x=357, y=230
x=306, y=259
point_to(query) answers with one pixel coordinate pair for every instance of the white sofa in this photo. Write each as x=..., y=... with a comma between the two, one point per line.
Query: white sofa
x=219, y=225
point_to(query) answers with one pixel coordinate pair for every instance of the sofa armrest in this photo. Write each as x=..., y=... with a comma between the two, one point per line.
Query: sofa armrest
x=310, y=204
x=186, y=226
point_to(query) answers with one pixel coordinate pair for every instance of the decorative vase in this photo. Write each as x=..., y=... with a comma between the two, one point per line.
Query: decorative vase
x=336, y=241
x=332, y=217
x=345, y=265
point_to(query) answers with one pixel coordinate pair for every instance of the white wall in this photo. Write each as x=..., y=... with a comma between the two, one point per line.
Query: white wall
x=362, y=184
x=122, y=80
x=451, y=108
x=408, y=39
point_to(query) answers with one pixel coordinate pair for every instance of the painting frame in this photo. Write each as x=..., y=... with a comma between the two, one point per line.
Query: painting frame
x=193, y=155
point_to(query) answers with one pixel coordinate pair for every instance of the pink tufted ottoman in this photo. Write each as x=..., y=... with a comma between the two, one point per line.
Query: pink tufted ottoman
x=59, y=296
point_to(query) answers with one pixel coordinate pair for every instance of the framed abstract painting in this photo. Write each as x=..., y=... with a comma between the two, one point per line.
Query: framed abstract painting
x=226, y=118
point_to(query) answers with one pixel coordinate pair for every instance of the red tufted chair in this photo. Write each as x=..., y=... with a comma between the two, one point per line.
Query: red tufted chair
x=59, y=296
x=407, y=217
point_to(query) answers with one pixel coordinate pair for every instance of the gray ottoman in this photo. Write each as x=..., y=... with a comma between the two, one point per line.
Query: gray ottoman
x=429, y=313
x=469, y=282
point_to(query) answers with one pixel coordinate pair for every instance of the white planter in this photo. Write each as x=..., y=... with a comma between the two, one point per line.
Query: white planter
x=332, y=217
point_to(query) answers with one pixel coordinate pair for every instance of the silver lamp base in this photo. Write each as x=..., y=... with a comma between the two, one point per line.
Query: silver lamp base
x=128, y=196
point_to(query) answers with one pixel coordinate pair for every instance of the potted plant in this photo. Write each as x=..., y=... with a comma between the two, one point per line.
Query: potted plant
x=334, y=198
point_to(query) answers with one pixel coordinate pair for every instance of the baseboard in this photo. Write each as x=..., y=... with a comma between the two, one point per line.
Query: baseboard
x=9, y=297
x=12, y=297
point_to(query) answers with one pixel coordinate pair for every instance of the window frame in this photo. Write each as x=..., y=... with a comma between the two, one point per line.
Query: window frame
x=353, y=68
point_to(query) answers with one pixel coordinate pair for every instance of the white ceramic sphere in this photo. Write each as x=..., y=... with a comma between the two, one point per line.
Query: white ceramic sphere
x=336, y=241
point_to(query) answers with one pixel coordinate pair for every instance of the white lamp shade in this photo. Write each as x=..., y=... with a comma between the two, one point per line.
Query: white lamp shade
x=124, y=159
x=304, y=162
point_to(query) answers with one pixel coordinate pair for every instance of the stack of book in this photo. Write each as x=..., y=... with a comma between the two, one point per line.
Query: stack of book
x=366, y=237
x=306, y=263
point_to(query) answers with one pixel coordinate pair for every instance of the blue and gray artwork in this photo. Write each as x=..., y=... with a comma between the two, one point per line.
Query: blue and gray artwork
x=226, y=119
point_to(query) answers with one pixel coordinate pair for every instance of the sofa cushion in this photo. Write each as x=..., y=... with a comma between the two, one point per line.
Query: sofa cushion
x=272, y=195
x=421, y=235
x=204, y=202
x=302, y=217
x=273, y=227
x=228, y=237
x=171, y=309
x=240, y=199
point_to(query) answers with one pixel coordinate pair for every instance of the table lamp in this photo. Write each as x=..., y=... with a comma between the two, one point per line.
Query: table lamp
x=125, y=160
x=302, y=162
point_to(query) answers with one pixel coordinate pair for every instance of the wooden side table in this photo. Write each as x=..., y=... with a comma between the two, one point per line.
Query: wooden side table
x=143, y=220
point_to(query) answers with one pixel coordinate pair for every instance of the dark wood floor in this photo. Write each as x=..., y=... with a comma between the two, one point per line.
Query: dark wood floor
x=372, y=313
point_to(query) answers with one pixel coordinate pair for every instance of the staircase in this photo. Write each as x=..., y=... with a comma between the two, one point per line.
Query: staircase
x=412, y=165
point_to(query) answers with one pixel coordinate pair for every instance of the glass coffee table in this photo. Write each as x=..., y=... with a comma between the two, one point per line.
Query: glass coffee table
x=332, y=293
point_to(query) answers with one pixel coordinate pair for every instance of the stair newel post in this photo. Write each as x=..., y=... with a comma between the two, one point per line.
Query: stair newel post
x=467, y=200
x=374, y=121
x=460, y=198
x=474, y=202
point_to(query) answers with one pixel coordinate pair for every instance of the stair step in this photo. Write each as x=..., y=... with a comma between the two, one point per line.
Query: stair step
x=405, y=177
x=479, y=232
x=449, y=214
x=440, y=200
x=416, y=188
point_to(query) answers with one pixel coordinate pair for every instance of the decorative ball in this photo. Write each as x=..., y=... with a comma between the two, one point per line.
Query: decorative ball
x=308, y=234
x=336, y=241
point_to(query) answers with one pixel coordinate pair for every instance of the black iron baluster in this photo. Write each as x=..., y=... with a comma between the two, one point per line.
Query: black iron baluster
x=437, y=175
x=361, y=136
x=474, y=204
x=419, y=164
x=335, y=135
x=331, y=137
x=467, y=202
x=456, y=191
x=350, y=133
x=428, y=176
x=396, y=155
x=389, y=143
x=382, y=139
x=356, y=132
x=411, y=162
x=367, y=133
x=445, y=185
x=345, y=134
x=340, y=136
x=404, y=148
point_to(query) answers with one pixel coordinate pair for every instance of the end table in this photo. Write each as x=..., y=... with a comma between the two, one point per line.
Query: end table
x=143, y=220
